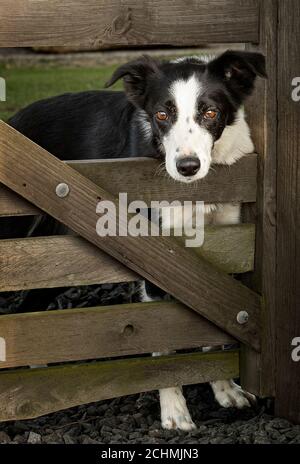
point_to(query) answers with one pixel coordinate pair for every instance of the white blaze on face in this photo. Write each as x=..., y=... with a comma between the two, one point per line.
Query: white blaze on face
x=186, y=137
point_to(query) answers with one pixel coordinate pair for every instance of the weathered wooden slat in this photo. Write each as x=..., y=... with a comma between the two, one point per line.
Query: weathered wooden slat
x=229, y=248
x=31, y=393
x=46, y=262
x=105, y=331
x=117, y=24
x=140, y=178
x=12, y=204
x=32, y=172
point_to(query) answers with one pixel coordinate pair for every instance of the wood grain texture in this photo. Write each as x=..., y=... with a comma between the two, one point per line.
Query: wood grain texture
x=229, y=248
x=32, y=172
x=107, y=331
x=134, y=23
x=140, y=178
x=31, y=393
x=287, y=322
x=12, y=204
x=47, y=262
x=263, y=125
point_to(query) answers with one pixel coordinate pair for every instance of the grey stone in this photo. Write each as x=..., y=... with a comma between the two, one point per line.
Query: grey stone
x=34, y=438
x=4, y=438
x=69, y=440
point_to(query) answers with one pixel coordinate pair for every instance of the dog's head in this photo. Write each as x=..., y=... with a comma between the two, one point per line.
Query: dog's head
x=186, y=104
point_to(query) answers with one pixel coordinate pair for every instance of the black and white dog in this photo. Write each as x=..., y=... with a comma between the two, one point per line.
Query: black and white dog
x=188, y=112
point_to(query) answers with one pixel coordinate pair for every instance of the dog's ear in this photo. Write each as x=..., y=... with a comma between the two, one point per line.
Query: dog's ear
x=135, y=75
x=239, y=69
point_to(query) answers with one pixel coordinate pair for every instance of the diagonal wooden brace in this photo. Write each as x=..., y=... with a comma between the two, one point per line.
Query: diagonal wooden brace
x=33, y=173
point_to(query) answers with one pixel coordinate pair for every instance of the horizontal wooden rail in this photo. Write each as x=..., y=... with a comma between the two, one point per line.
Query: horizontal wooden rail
x=46, y=262
x=12, y=204
x=106, y=331
x=140, y=179
x=31, y=393
x=34, y=173
x=134, y=23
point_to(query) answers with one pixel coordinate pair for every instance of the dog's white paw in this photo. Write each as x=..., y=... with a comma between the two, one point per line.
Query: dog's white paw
x=230, y=395
x=174, y=411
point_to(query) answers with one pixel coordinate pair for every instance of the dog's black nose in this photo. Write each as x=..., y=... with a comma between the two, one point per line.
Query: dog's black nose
x=188, y=166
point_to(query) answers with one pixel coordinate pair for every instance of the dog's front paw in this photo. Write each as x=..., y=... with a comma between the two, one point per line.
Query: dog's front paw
x=174, y=411
x=230, y=395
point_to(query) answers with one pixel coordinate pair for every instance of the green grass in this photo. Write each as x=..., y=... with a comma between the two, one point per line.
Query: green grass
x=26, y=85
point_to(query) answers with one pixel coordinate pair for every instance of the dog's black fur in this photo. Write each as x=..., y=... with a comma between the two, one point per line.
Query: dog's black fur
x=85, y=125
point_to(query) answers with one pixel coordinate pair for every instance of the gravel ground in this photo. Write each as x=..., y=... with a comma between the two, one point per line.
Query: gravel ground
x=135, y=418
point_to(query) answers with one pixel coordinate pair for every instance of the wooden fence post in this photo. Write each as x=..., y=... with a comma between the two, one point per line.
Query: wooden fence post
x=287, y=321
x=257, y=371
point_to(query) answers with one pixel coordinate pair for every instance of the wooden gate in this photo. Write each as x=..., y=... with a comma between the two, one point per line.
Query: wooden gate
x=208, y=299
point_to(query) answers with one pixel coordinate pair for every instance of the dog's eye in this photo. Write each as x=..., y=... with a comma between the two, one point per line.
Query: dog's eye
x=211, y=114
x=161, y=116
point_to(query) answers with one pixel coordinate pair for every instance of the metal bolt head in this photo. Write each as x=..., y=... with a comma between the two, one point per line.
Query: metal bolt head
x=242, y=317
x=62, y=190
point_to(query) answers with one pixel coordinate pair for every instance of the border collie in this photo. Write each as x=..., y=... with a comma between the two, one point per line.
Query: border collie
x=188, y=112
